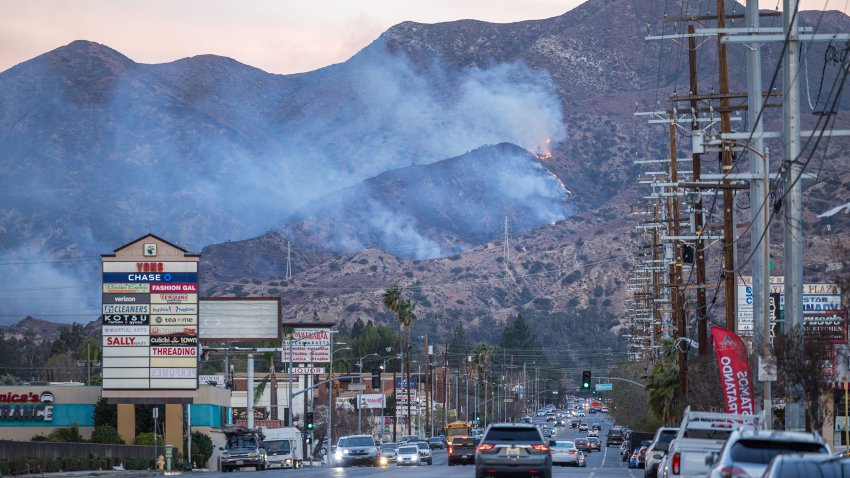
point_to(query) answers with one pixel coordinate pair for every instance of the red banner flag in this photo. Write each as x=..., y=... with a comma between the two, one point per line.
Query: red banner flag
x=735, y=376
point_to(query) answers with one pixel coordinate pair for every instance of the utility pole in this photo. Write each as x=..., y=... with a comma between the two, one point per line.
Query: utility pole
x=699, y=244
x=792, y=168
x=288, y=260
x=428, y=396
x=730, y=285
x=676, y=303
x=759, y=232
x=507, y=248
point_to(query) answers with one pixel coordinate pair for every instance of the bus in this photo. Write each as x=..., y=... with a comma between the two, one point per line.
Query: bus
x=458, y=429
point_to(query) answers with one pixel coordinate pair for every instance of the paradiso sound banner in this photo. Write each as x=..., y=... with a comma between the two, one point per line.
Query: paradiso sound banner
x=150, y=317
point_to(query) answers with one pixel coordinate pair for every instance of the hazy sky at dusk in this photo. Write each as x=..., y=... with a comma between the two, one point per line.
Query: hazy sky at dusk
x=279, y=36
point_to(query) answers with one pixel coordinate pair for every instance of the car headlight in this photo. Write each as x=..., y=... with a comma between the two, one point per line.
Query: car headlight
x=345, y=452
x=372, y=450
x=253, y=454
x=338, y=455
x=225, y=455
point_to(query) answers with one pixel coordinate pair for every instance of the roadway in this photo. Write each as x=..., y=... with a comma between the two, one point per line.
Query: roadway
x=604, y=464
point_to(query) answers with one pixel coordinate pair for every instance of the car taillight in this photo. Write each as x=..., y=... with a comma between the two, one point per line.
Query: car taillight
x=733, y=472
x=573, y=452
x=485, y=446
x=540, y=447
x=676, y=464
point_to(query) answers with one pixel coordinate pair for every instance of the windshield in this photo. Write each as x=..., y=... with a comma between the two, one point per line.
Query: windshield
x=359, y=441
x=829, y=469
x=277, y=446
x=513, y=434
x=422, y=445
x=389, y=447
x=407, y=450
x=664, y=440
x=563, y=444
x=462, y=442
x=242, y=442
x=762, y=451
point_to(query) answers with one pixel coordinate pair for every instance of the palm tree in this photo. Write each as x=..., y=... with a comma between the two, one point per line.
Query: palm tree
x=662, y=382
x=482, y=360
x=405, y=311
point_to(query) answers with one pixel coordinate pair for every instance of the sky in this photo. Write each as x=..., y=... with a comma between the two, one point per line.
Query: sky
x=278, y=36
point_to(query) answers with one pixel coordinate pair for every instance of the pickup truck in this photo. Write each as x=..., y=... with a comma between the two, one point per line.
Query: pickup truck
x=701, y=435
x=461, y=451
x=244, y=447
x=614, y=437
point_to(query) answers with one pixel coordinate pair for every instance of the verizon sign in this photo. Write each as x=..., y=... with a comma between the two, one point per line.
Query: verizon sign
x=308, y=345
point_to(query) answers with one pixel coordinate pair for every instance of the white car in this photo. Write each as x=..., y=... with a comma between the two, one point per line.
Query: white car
x=750, y=451
x=593, y=432
x=583, y=427
x=407, y=455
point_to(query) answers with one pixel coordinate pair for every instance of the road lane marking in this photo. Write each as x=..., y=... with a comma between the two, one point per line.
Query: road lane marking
x=604, y=454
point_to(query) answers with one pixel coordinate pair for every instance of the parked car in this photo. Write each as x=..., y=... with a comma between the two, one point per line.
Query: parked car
x=808, y=465
x=658, y=449
x=407, y=455
x=513, y=448
x=357, y=450
x=564, y=453
x=750, y=451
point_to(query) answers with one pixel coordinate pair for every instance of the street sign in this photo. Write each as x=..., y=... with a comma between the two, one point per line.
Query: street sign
x=604, y=387
x=307, y=370
x=357, y=386
x=509, y=400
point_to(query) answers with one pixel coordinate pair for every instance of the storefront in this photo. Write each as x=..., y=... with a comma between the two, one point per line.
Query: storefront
x=30, y=410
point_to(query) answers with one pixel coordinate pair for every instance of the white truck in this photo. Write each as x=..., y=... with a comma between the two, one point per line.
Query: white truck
x=700, y=435
x=283, y=447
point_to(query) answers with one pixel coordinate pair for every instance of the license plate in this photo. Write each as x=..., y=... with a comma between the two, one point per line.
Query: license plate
x=240, y=462
x=513, y=453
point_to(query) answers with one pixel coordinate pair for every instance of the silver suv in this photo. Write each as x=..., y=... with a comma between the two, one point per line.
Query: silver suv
x=513, y=448
x=357, y=450
x=748, y=452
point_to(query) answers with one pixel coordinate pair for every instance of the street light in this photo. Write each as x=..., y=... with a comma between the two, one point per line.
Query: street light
x=360, y=376
x=383, y=401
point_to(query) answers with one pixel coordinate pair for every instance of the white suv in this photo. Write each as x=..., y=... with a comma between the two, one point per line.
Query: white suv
x=748, y=452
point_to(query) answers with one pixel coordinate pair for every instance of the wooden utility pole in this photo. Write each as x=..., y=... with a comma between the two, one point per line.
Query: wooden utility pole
x=726, y=168
x=657, y=324
x=699, y=245
x=428, y=396
x=675, y=267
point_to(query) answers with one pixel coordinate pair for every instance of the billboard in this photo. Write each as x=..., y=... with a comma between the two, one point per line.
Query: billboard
x=816, y=297
x=150, y=318
x=371, y=400
x=246, y=319
x=308, y=345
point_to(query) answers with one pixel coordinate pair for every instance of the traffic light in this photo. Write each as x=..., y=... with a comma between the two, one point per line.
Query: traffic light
x=688, y=252
x=585, y=380
x=376, y=378
x=308, y=421
x=477, y=418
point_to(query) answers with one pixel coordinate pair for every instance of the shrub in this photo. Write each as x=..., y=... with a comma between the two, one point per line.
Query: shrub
x=70, y=434
x=202, y=448
x=147, y=439
x=106, y=434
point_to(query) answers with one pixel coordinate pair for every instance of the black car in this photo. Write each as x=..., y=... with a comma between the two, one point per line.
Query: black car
x=437, y=442
x=513, y=448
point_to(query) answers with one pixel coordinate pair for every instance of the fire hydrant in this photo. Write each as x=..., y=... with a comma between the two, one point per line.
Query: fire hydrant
x=160, y=463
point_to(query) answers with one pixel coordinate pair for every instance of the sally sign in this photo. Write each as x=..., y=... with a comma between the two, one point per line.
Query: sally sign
x=735, y=376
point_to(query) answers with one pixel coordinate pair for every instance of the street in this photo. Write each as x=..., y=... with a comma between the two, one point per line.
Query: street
x=602, y=464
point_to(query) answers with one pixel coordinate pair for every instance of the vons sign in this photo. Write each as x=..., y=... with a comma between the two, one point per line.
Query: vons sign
x=26, y=407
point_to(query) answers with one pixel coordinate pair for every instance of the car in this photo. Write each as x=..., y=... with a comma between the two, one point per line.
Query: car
x=437, y=442
x=583, y=427
x=513, y=448
x=425, y=452
x=582, y=444
x=408, y=438
x=641, y=460
x=575, y=422
x=582, y=459
x=809, y=465
x=357, y=450
x=407, y=455
x=750, y=451
x=461, y=451
x=580, y=413
x=593, y=432
x=547, y=432
x=595, y=444
x=658, y=450
x=614, y=437
x=388, y=451
x=564, y=453
x=605, y=410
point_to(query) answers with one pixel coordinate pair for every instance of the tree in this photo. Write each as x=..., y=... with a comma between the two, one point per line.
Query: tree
x=105, y=414
x=202, y=448
x=662, y=382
